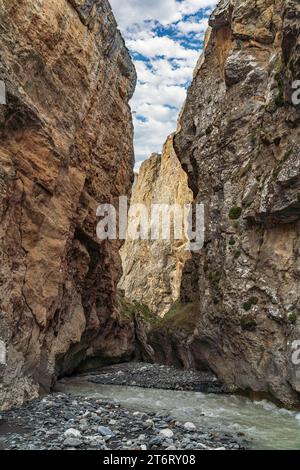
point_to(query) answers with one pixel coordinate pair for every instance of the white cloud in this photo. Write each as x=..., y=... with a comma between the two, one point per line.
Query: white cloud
x=164, y=62
x=129, y=12
x=158, y=94
x=192, y=6
x=187, y=27
x=161, y=46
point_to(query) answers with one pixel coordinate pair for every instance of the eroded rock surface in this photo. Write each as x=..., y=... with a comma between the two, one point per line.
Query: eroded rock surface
x=152, y=269
x=65, y=146
x=239, y=143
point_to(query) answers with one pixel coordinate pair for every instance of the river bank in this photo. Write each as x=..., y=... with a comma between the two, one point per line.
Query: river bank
x=64, y=422
x=147, y=407
x=74, y=417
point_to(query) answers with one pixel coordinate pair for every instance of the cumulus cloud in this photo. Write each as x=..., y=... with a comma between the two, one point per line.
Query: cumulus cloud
x=192, y=26
x=165, y=38
x=165, y=11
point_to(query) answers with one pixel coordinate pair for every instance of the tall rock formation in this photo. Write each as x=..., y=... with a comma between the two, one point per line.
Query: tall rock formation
x=152, y=269
x=65, y=147
x=239, y=144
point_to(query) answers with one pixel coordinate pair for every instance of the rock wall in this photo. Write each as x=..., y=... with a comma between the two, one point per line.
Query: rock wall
x=239, y=144
x=65, y=147
x=152, y=270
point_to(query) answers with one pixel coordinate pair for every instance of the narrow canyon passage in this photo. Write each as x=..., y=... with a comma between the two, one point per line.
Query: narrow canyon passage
x=177, y=342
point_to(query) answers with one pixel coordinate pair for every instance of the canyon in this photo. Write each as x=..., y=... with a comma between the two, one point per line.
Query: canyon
x=67, y=146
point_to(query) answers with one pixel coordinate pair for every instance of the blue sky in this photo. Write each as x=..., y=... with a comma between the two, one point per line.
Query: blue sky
x=165, y=39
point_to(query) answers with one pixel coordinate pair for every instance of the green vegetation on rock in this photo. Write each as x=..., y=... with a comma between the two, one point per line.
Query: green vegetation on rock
x=247, y=306
x=279, y=100
x=248, y=323
x=180, y=317
x=235, y=213
x=129, y=309
x=232, y=241
x=250, y=303
x=292, y=318
x=215, y=277
x=209, y=130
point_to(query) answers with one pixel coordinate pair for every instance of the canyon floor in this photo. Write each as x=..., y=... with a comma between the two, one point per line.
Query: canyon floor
x=138, y=406
x=137, y=374
x=73, y=417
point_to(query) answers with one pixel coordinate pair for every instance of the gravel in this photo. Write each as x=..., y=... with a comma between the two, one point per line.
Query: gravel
x=70, y=421
x=155, y=376
x=58, y=422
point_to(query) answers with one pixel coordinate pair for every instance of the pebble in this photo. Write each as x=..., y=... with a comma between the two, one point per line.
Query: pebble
x=104, y=431
x=72, y=433
x=166, y=433
x=155, y=441
x=72, y=442
x=189, y=427
x=70, y=421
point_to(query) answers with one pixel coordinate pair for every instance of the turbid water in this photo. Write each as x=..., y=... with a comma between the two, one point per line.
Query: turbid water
x=265, y=426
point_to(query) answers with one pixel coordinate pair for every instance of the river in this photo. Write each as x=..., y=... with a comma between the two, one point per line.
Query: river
x=264, y=424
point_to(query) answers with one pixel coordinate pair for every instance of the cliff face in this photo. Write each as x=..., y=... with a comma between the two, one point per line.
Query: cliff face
x=65, y=147
x=152, y=270
x=239, y=144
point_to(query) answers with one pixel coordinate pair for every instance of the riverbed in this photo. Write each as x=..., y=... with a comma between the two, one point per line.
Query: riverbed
x=125, y=407
x=264, y=425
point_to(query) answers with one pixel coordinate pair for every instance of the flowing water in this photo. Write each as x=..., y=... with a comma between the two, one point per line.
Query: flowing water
x=264, y=425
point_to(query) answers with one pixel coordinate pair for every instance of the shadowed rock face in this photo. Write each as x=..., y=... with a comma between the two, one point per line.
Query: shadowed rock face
x=239, y=144
x=152, y=270
x=65, y=146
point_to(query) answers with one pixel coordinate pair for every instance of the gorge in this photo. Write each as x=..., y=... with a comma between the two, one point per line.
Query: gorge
x=230, y=310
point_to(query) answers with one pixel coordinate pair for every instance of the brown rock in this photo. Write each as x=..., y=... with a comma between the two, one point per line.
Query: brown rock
x=238, y=141
x=152, y=270
x=65, y=147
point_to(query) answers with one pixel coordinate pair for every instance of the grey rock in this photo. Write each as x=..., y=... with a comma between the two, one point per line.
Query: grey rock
x=72, y=442
x=105, y=431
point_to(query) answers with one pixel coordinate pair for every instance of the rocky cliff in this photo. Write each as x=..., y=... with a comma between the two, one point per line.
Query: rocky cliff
x=65, y=147
x=152, y=270
x=238, y=141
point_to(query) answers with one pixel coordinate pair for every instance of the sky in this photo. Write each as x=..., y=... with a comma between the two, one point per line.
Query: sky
x=165, y=39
